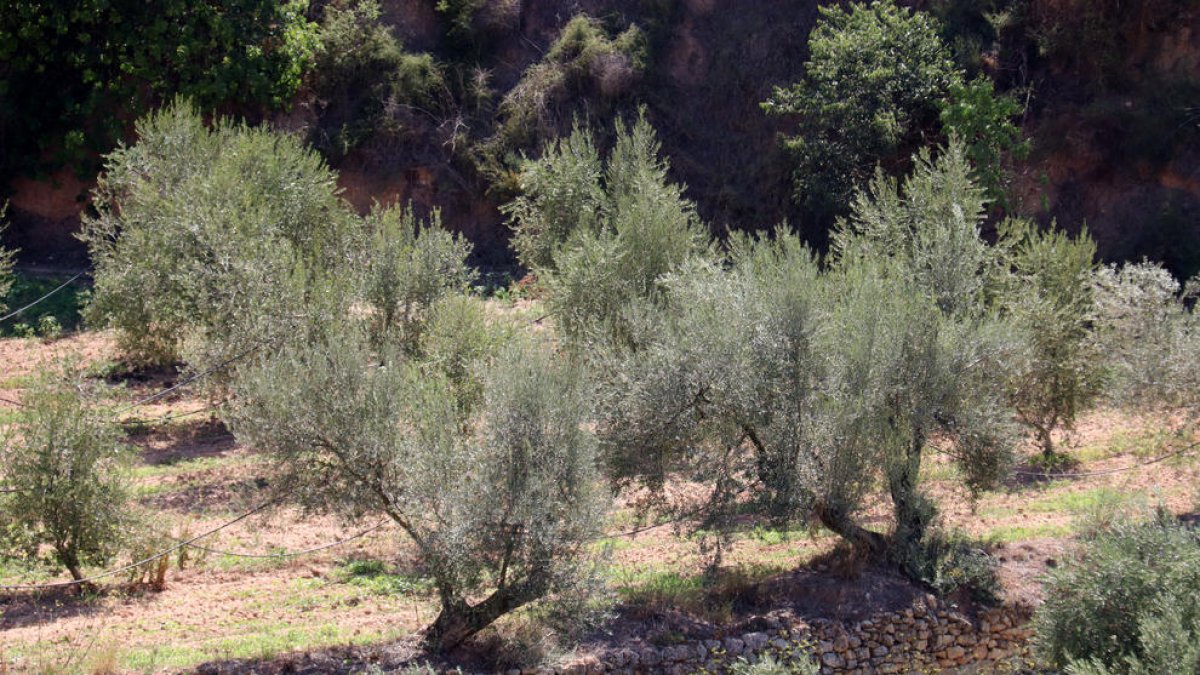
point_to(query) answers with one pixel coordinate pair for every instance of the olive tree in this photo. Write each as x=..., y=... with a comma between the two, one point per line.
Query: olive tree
x=407, y=266
x=501, y=499
x=1052, y=299
x=65, y=477
x=1127, y=604
x=805, y=389
x=1149, y=335
x=603, y=234
x=7, y=257
x=210, y=235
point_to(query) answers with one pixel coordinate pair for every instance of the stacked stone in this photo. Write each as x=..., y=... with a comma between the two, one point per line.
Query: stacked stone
x=924, y=636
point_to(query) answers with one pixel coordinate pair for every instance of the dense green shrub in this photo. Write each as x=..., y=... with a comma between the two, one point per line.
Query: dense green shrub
x=207, y=238
x=870, y=93
x=602, y=235
x=500, y=498
x=1052, y=300
x=66, y=478
x=878, y=85
x=110, y=61
x=360, y=71
x=1127, y=604
x=807, y=388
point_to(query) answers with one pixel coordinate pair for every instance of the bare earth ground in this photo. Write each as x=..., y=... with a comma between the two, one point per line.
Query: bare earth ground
x=222, y=613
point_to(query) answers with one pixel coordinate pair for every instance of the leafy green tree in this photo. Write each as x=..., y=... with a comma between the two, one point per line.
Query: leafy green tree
x=878, y=85
x=869, y=95
x=983, y=120
x=104, y=56
x=207, y=239
x=66, y=477
x=500, y=499
x=1052, y=300
x=1127, y=604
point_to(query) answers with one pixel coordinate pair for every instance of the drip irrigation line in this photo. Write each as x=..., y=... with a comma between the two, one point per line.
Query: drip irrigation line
x=168, y=418
x=1106, y=472
x=13, y=402
x=291, y=554
x=42, y=299
x=135, y=565
x=165, y=392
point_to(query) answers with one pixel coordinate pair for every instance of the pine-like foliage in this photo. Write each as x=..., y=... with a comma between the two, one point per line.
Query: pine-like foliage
x=7, y=258
x=408, y=265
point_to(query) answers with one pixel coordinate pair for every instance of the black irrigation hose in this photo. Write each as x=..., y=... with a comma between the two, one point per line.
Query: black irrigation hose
x=291, y=554
x=163, y=420
x=1106, y=472
x=12, y=402
x=135, y=565
x=42, y=299
x=165, y=392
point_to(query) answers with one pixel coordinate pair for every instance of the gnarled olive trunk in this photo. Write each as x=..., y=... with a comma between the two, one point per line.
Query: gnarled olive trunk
x=459, y=620
x=912, y=510
x=840, y=523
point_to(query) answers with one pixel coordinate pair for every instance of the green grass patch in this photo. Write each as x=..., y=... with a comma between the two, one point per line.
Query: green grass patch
x=18, y=382
x=1067, y=502
x=710, y=597
x=259, y=641
x=186, y=466
x=1007, y=534
x=374, y=577
x=1140, y=443
x=8, y=416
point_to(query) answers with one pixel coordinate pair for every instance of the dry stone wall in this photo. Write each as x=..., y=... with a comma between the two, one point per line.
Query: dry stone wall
x=924, y=638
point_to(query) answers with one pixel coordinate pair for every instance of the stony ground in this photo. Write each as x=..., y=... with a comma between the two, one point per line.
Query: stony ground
x=365, y=600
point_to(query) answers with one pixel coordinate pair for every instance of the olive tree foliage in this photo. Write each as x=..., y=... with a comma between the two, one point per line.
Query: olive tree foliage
x=1127, y=604
x=603, y=233
x=804, y=389
x=7, y=258
x=1149, y=335
x=65, y=478
x=499, y=492
x=210, y=236
x=1052, y=298
x=407, y=266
